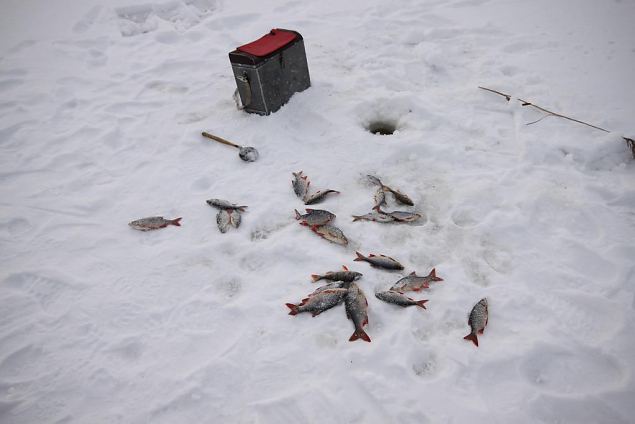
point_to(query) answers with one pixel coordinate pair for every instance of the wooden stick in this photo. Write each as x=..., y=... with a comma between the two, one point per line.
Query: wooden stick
x=220, y=140
x=629, y=141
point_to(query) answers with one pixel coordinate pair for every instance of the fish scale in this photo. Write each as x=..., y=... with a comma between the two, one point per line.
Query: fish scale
x=318, y=196
x=379, y=198
x=223, y=220
x=357, y=311
x=224, y=204
x=300, y=184
x=319, y=302
x=477, y=320
x=314, y=217
x=153, y=223
x=376, y=216
x=379, y=261
x=344, y=275
x=399, y=299
x=413, y=282
x=331, y=233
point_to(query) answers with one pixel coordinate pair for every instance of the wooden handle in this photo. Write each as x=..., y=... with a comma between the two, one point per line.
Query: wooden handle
x=220, y=140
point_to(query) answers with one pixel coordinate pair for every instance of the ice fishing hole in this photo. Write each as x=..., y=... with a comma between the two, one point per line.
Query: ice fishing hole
x=382, y=127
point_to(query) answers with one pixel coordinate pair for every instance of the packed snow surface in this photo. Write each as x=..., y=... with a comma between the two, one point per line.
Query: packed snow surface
x=101, y=109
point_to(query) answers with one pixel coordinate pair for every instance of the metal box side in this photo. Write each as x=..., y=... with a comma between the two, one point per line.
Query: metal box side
x=265, y=85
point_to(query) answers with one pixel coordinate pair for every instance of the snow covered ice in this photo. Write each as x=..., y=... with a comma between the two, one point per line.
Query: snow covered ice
x=102, y=105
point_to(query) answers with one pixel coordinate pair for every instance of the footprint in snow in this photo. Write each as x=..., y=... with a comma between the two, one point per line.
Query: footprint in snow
x=555, y=370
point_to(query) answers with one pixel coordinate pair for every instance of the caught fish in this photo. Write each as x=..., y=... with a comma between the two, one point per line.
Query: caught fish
x=223, y=220
x=234, y=218
x=477, y=321
x=379, y=198
x=345, y=275
x=318, y=196
x=376, y=216
x=330, y=233
x=357, y=311
x=224, y=204
x=413, y=282
x=329, y=286
x=379, y=261
x=314, y=217
x=319, y=302
x=402, y=216
x=300, y=184
x=399, y=299
x=154, y=223
x=401, y=197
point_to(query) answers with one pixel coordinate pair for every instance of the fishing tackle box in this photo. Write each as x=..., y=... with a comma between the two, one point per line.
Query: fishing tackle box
x=269, y=70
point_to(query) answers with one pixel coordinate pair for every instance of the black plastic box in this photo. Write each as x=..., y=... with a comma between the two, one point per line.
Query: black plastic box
x=270, y=70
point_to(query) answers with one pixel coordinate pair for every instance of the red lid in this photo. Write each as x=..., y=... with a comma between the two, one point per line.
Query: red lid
x=276, y=39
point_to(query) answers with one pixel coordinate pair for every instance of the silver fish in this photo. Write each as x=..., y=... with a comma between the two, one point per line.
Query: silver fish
x=402, y=216
x=330, y=233
x=399, y=299
x=319, y=302
x=223, y=220
x=318, y=196
x=379, y=261
x=401, y=197
x=329, y=286
x=374, y=216
x=300, y=184
x=379, y=198
x=224, y=204
x=234, y=218
x=357, y=311
x=345, y=275
x=477, y=321
x=153, y=223
x=413, y=282
x=314, y=217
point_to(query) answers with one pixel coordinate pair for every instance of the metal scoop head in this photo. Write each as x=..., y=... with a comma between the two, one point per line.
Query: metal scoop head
x=248, y=154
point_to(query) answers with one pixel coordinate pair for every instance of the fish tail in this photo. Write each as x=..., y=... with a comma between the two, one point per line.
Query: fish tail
x=422, y=303
x=359, y=334
x=242, y=208
x=297, y=214
x=375, y=180
x=356, y=218
x=433, y=275
x=473, y=338
x=176, y=221
x=359, y=257
x=294, y=308
x=316, y=277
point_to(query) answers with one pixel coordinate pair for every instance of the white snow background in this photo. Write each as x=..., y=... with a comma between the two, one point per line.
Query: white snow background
x=101, y=109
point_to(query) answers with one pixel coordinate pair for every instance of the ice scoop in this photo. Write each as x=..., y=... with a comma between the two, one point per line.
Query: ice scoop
x=248, y=154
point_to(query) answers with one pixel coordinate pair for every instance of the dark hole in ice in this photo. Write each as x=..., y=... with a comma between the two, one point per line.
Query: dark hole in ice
x=382, y=127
